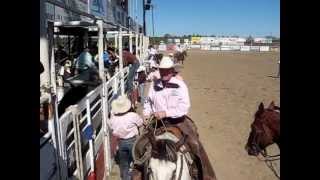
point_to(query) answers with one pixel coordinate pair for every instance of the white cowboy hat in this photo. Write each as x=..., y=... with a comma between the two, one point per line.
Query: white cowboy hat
x=141, y=68
x=171, y=54
x=120, y=105
x=166, y=63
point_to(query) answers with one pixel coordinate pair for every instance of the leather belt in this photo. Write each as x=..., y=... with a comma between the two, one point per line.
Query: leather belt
x=128, y=138
x=174, y=120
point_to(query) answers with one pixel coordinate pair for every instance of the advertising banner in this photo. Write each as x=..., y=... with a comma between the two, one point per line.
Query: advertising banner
x=99, y=8
x=245, y=48
x=195, y=40
x=264, y=48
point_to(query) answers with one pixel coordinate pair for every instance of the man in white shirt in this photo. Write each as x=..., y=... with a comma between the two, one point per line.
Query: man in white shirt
x=179, y=49
x=168, y=100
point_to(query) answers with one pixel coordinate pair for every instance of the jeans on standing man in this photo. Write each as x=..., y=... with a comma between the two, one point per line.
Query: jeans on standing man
x=141, y=92
x=125, y=157
x=131, y=75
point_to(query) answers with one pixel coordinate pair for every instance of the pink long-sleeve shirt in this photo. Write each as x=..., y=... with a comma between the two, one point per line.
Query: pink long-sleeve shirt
x=174, y=101
x=126, y=126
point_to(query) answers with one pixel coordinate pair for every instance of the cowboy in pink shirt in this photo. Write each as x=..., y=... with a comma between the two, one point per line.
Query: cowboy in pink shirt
x=168, y=100
x=124, y=125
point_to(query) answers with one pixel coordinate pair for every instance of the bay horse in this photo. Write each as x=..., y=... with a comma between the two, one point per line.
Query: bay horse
x=265, y=129
x=180, y=56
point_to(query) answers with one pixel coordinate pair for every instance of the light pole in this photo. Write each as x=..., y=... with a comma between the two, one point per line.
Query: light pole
x=152, y=21
x=144, y=17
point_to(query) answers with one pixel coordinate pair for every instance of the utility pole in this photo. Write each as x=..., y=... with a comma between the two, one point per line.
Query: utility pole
x=144, y=17
x=152, y=21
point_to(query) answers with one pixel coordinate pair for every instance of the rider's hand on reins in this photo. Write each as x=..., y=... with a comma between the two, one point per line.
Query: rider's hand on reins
x=160, y=115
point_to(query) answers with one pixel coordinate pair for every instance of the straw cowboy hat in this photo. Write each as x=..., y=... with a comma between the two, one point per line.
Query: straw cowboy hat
x=120, y=105
x=166, y=63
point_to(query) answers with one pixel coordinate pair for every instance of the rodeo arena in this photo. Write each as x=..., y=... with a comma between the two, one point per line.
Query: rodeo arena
x=115, y=106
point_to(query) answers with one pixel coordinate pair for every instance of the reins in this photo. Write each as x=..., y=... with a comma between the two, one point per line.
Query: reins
x=268, y=159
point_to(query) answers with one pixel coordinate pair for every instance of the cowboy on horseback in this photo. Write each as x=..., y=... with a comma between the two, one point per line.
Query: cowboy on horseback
x=169, y=102
x=180, y=54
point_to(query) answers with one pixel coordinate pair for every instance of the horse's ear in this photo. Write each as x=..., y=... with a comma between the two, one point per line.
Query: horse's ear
x=271, y=106
x=261, y=107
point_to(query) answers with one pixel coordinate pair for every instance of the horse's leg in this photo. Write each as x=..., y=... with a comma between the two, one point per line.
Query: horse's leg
x=131, y=98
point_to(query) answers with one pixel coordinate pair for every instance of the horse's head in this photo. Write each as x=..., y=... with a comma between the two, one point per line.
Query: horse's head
x=165, y=161
x=262, y=129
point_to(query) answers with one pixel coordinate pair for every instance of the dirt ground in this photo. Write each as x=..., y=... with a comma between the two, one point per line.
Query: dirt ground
x=225, y=90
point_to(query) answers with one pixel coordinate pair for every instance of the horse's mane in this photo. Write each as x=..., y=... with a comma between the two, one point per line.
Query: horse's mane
x=165, y=147
x=270, y=116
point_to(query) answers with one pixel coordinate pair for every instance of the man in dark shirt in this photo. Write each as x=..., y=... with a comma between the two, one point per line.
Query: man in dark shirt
x=129, y=58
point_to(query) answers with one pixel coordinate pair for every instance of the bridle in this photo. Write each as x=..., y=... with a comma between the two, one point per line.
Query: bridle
x=173, y=177
x=268, y=159
x=177, y=144
x=180, y=171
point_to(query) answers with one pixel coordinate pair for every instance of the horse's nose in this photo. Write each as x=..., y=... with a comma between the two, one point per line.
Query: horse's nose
x=251, y=150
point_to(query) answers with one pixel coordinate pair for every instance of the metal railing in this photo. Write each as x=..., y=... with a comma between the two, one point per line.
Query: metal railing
x=83, y=135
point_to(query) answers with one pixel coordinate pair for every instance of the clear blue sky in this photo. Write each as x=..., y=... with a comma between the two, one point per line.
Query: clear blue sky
x=218, y=17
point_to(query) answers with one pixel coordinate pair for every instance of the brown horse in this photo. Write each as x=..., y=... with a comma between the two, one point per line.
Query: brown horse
x=164, y=151
x=265, y=130
x=180, y=56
